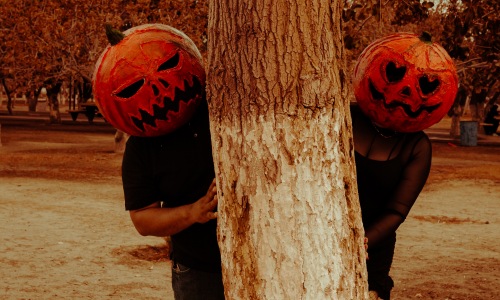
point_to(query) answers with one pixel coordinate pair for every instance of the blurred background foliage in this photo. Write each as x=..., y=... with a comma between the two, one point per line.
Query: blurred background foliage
x=55, y=44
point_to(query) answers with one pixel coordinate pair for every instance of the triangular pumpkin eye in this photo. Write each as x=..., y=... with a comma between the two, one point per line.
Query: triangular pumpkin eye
x=394, y=73
x=427, y=86
x=131, y=90
x=169, y=64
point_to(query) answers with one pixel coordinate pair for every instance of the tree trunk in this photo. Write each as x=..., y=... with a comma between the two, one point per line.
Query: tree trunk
x=9, y=96
x=52, y=92
x=289, y=218
x=33, y=101
x=456, y=113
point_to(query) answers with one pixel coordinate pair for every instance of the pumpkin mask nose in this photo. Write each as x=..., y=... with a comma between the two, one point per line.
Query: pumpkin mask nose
x=405, y=92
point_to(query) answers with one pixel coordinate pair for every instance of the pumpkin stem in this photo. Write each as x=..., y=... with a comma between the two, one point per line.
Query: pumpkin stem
x=114, y=36
x=426, y=37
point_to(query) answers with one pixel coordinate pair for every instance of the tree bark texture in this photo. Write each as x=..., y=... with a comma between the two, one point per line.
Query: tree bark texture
x=289, y=218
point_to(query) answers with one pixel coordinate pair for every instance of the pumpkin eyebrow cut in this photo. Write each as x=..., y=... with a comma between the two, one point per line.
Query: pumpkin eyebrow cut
x=131, y=90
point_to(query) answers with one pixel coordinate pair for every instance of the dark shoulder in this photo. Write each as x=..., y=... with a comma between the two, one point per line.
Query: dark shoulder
x=354, y=108
x=421, y=137
x=418, y=143
x=142, y=142
x=134, y=142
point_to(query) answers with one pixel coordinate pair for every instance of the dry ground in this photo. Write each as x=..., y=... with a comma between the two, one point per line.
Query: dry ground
x=66, y=234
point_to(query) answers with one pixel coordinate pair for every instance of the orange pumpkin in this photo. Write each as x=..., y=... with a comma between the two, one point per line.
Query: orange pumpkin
x=150, y=82
x=405, y=82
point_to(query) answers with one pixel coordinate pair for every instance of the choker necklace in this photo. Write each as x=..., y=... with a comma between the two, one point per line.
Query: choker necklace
x=385, y=133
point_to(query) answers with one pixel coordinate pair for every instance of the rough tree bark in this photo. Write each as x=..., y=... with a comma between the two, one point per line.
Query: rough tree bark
x=289, y=217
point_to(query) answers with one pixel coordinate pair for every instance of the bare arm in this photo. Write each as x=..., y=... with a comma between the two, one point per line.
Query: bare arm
x=157, y=221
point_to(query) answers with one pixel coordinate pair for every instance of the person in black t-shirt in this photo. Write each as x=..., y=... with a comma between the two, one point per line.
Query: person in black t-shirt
x=169, y=188
x=392, y=169
x=149, y=82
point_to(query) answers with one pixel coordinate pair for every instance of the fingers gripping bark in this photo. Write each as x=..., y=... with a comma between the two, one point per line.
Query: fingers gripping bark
x=203, y=210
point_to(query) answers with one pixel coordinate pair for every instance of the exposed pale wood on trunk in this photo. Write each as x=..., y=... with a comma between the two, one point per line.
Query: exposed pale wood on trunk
x=289, y=218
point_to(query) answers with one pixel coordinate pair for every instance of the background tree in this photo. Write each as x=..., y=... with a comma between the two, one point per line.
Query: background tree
x=470, y=34
x=289, y=219
x=367, y=21
x=51, y=41
x=10, y=69
x=61, y=40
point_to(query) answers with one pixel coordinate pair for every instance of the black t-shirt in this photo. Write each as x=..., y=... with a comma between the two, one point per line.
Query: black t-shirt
x=177, y=169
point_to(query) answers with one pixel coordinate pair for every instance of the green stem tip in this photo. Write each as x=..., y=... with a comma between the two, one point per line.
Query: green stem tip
x=426, y=37
x=114, y=36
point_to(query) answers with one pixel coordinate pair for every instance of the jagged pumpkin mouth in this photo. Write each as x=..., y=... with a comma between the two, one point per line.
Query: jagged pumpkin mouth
x=160, y=112
x=379, y=96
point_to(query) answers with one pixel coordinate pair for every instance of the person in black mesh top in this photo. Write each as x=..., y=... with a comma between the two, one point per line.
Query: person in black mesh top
x=392, y=169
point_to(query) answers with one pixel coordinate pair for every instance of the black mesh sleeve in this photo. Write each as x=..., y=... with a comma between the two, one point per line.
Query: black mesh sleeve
x=411, y=183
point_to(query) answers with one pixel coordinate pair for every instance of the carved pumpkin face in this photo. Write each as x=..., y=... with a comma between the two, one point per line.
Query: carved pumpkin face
x=404, y=82
x=151, y=82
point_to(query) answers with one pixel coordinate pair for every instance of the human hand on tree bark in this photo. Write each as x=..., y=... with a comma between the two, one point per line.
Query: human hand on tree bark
x=202, y=210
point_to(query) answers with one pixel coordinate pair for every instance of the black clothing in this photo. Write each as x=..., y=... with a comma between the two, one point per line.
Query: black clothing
x=393, y=185
x=392, y=169
x=378, y=266
x=177, y=169
x=491, y=118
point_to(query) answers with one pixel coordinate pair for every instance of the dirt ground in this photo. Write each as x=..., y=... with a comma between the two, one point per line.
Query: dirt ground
x=66, y=234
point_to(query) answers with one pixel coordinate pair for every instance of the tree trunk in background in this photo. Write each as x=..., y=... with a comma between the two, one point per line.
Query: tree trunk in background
x=53, y=102
x=289, y=218
x=9, y=96
x=33, y=101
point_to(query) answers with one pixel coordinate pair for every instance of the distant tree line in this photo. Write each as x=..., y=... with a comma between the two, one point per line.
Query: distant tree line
x=54, y=44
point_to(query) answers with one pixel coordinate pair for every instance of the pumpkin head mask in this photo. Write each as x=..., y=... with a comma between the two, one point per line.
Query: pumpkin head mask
x=150, y=81
x=404, y=82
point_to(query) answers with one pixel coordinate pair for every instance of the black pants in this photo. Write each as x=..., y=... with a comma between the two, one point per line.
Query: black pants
x=379, y=264
x=191, y=284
